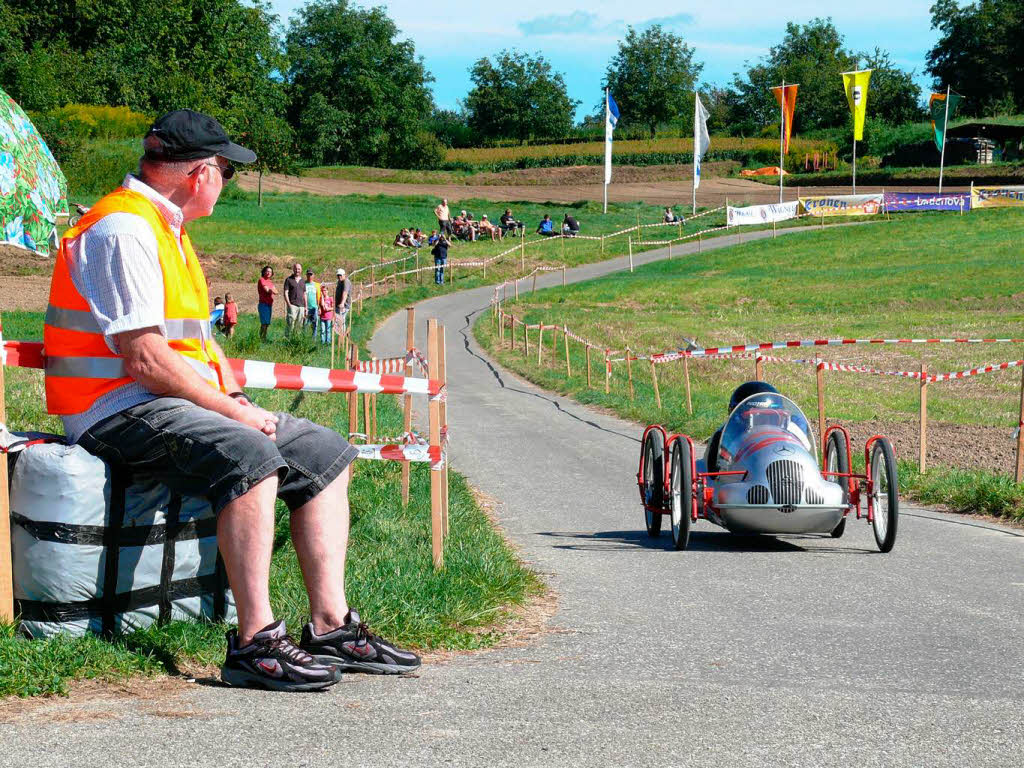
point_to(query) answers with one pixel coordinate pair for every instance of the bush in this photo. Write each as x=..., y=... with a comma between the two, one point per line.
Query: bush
x=99, y=166
x=103, y=122
x=65, y=138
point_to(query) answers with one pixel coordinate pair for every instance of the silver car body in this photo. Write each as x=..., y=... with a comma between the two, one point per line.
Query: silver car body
x=768, y=438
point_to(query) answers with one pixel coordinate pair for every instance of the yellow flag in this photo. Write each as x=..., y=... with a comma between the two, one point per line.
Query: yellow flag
x=856, y=84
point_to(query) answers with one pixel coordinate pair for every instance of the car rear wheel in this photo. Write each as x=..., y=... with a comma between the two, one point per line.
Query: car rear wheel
x=681, y=485
x=884, y=494
x=837, y=460
x=654, y=480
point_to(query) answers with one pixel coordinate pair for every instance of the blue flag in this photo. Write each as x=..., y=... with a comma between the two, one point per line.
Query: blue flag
x=613, y=111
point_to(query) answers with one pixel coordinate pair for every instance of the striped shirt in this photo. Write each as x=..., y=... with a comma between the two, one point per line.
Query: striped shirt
x=115, y=265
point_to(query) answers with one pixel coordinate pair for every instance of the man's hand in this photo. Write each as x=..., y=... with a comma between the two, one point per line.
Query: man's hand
x=257, y=418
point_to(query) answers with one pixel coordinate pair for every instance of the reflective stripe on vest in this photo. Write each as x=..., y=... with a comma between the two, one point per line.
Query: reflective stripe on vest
x=71, y=319
x=86, y=367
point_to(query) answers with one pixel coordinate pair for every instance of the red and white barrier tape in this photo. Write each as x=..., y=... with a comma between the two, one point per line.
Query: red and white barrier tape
x=975, y=371
x=257, y=374
x=930, y=377
x=838, y=342
x=826, y=366
x=416, y=452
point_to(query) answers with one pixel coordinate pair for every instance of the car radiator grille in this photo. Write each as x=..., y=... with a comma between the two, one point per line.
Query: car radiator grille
x=813, y=497
x=786, y=481
x=757, y=494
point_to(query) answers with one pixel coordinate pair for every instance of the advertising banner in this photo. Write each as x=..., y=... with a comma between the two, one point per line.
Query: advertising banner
x=856, y=86
x=997, y=197
x=940, y=110
x=843, y=205
x=761, y=214
x=927, y=201
x=786, y=98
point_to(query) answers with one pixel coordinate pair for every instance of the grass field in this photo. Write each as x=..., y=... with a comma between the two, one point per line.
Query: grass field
x=919, y=275
x=390, y=576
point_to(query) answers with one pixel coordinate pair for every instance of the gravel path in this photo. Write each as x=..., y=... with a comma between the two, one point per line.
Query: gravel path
x=738, y=652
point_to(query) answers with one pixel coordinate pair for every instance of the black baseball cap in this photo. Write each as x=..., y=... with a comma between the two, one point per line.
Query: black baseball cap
x=188, y=135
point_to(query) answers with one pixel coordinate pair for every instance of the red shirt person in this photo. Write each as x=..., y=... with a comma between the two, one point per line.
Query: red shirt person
x=265, y=291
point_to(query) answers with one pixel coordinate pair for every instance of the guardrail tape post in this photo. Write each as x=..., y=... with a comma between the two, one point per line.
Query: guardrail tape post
x=607, y=372
x=589, y=385
x=1018, y=473
x=563, y=275
x=442, y=375
x=353, y=397
x=522, y=248
x=533, y=288
x=821, y=407
x=759, y=368
x=630, y=237
x=686, y=375
x=629, y=372
x=434, y=419
x=654, y=381
x=526, y=339
x=923, y=442
x=565, y=338
x=540, y=343
x=410, y=343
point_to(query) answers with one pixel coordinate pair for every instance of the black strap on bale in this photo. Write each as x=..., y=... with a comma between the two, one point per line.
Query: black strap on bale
x=220, y=592
x=167, y=567
x=95, y=535
x=112, y=550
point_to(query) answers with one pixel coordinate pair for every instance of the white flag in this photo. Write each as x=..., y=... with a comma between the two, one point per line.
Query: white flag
x=611, y=118
x=701, y=140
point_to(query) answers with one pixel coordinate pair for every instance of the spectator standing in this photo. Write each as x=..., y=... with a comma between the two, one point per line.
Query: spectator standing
x=265, y=292
x=342, y=301
x=312, y=297
x=440, y=254
x=546, y=227
x=217, y=315
x=230, y=315
x=570, y=226
x=325, y=306
x=444, y=224
x=294, y=299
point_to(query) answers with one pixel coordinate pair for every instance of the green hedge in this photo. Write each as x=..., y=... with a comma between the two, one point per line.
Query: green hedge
x=747, y=157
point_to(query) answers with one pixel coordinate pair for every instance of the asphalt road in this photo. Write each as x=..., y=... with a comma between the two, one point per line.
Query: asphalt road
x=799, y=651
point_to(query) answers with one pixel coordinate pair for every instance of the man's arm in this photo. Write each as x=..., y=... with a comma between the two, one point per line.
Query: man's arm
x=230, y=382
x=162, y=371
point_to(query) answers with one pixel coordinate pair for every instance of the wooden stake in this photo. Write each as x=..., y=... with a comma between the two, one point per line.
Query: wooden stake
x=522, y=249
x=607, y=372
x=6, y=568
x=589, y=385
x=526, y=339
x=630, y=253
x=540, y=343
x=629, y=373
x=922, y=461
x=373, y=283
x=563, y=275
x=602, y=245
x=699, y=246
x=821, y=409
x=654, y=381
x=517, y=288
x=366, y=416
x=533, y=288
x=565, y=338
x=443, y=377
x=353, y=397
x=1018, y=472
x=759, y=368
x=670, y=250
x=373, y=422
x=686, y=375
x=332, y=342
x=419, y=275
x=436, y=478
x=410, y=343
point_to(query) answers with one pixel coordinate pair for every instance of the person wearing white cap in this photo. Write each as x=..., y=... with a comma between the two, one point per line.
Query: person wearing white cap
x=342, y=302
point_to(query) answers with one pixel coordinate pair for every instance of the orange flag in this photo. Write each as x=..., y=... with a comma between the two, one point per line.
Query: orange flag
x=787, y=110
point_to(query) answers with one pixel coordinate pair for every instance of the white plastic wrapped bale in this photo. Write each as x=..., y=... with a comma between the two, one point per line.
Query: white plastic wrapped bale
x=95, y=553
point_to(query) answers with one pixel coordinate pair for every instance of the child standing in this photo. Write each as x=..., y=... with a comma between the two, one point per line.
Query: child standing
x=326, y=307
x=230, y=319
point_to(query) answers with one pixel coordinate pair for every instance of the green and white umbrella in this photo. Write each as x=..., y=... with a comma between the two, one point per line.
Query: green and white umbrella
x=33, y=190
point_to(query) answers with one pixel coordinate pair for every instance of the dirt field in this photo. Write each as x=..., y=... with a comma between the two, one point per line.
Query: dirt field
x=655, y=186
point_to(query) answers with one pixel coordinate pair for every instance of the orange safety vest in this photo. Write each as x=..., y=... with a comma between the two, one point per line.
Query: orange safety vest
x=79, y=365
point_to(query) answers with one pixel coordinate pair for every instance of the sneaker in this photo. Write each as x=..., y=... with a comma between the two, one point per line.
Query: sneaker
x=354, y=647
x=273, y=661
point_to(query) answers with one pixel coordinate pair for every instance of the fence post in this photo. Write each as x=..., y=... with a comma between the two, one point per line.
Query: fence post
x=540, y=343
x=522, y=248
x=654, y=381
x=630, y=252
x=517, y=288
x=6, y=567
x=526, y=339
x=759, y=368
x=922, y=461
x=563, y=275
x=686, y=375
x=588, y=375
x=1018, y=473
x=419, y=275
x=410, y=344
x=565, y=338
x=670, y=250
x=353, y=397
x=699, y=246
x=533, y=288
x=373, y=282
x=629, y=372
x=607, y=372
x=821, y=407
x=434, y=417
x=485, y=269
x=602, y=245
x=442, y=368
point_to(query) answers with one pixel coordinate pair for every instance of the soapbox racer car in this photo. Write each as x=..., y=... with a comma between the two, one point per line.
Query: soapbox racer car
x=764, y=477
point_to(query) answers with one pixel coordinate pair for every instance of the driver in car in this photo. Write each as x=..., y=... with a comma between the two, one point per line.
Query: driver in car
x=741, y=393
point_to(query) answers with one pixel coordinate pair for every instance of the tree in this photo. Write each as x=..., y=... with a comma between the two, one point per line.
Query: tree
x=518, y=97
x=358, y=95
x=451, y=128
x=893, y=97
x=652, y=77
x=979, y=54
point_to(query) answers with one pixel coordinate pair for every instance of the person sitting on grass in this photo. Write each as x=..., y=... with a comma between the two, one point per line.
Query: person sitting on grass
x=546, y=227
x=402, y=239
x=670, y=216
x=418, y=238
x=139, y=382
x=486, y=228
x=570, y=227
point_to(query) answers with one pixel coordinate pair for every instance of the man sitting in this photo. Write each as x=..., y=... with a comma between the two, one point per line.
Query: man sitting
x=570, y=227
x=546, y=227
x=670, y=216
x=486, y=228
x=461, y=227
x=509, y=223
x=741, y=393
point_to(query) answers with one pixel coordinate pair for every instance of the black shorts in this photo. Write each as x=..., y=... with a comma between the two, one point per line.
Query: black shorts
x=196, y=452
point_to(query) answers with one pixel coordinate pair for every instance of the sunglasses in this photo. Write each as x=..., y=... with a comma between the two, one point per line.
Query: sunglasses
x=227, y=171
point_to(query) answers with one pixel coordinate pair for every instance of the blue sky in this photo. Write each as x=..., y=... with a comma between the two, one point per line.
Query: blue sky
x=580, y=38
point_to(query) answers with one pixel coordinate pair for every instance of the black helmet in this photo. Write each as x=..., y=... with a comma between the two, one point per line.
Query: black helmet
x=745, y=390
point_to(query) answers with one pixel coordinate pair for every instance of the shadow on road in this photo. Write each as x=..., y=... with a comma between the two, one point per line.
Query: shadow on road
x=700, y=541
